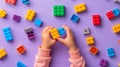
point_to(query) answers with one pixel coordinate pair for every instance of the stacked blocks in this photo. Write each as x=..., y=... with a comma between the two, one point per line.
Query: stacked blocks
x=103, y=62
x=59, y=10
x=110, y=15
x=55, y=34
x=113, y=13
x=7, y=33
x=16, y=18
x=2, y=53
x=26, y=2
x=80, y=8
x=86, y=31
x=93, y=50
x=74, y=18
x=96, y=20
x=12, y=2
x=30, y=33
x=30, y=15
x=2, y=13
x=111, y=52
x=21, y=49
x=116, y=28
x=38, y=22
x=90, y=40
x=61, y=30
x=20, y=64
x=116, y=12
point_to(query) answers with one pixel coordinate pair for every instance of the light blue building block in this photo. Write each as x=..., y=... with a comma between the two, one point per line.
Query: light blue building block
x=38, y=22
x=116, y=12
x=61, y=31
x=26, y=2
x=111, y=52
x=7, y=34
x=20, y=64
x=75, y=18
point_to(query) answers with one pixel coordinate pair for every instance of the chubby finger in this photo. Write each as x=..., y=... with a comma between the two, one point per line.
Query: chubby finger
x=68, y=30
x=46, y=28
x=49, y=29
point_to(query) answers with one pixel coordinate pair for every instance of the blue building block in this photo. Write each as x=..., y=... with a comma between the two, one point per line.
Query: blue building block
x=7, y=34
x=38, y=22
x=111, y=52
x=75, y=18
x=116, y=12
x=20, y=64
x=61, y=30
x=26, y=2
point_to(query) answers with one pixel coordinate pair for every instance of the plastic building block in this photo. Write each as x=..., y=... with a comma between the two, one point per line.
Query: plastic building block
x=117, y=1
x=90, y=40
x=111, y=52
x=7, y=34
x=96, y=20
x=59, y=10
x=93, y=50
x=116, y=12
x=55, y=34
x=3, y=53
x=80, y=8
x=75, y=18
x=119, y=65
x=12, y=2
x=16, y=18
x=30, y=33
x=116, y=28
x=103, y=62
x=38, y=22
x=2, y=13
x=118, y=41
x=86, y=31
x=21, y=49
x=26, y=2
x=20, y=64
x=30, y=15
x=110, y=15
x=61, y=31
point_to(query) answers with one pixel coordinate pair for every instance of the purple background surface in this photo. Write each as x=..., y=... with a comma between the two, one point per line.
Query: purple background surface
x=104, y=36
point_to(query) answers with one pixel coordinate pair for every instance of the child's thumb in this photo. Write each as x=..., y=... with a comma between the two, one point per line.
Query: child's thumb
x=60, y=39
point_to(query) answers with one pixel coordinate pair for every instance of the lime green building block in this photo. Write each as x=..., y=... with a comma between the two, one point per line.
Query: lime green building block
x=59, y=10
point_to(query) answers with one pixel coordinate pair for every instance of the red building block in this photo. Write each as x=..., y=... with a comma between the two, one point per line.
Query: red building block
x=93, y=50
x=21, y=49
x=12, y=2
x=96, y=20
x=110, y=15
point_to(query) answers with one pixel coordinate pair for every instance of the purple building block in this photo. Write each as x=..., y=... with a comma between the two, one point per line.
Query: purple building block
x=16, y=18
x=103, y=62
x=30, y=33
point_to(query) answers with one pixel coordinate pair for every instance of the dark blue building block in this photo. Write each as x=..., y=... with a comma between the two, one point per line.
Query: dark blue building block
x=116, y=12
x=111, y=52
x=7, y=34
x=61, y=31
x=26, y=2
x=75, y=18
x=20, y=64
x=38, y=22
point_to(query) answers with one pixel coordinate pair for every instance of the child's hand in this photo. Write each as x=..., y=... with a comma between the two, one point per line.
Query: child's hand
x=47, y=41
x=69, y=40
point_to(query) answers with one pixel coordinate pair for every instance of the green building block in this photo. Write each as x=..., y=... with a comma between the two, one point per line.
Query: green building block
x=59, y=10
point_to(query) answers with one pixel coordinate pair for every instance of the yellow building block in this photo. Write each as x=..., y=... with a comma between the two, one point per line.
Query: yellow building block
x=116, y=28
x=2, y=53
x=119, y=65
x=30, y=15
x=90, y=40
x=2, y=13
x=55, y=34
x=80, y=8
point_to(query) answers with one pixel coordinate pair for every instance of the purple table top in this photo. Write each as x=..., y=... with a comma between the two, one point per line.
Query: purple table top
x=104, y=36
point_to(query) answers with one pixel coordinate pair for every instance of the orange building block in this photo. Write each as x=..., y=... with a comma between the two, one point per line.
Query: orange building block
x=12, y=2
x=93, y=50
x=21, y=49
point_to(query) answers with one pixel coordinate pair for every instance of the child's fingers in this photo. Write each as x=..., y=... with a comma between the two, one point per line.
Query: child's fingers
x=61, y=40
x=67, y=30
x=46, y=28
x=49, y=29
